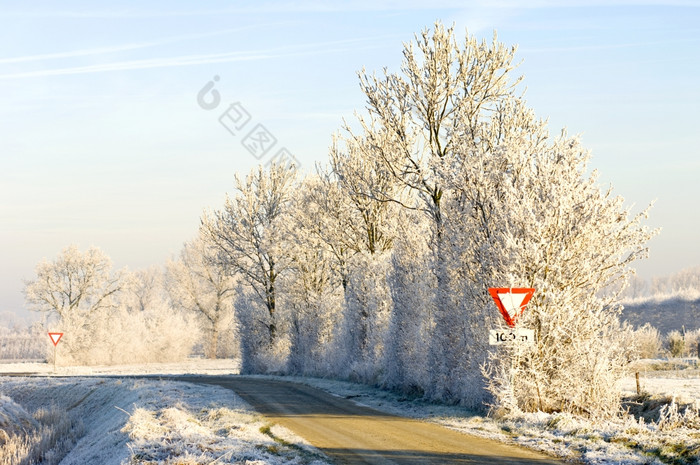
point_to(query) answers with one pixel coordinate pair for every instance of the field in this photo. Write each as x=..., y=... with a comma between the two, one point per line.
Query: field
x=110, y=418
x=117, y=420
x=665, y=313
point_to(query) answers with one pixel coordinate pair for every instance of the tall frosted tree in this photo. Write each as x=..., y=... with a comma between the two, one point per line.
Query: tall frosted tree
x=531, y=215
x=370, y=236
x=321, y=231
x=505, y=204
x=75, y=282
x=249, y=237
x=410, y=130
x=198, y=284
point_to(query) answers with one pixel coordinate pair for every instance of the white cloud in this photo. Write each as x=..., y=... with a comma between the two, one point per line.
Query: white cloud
x=187, y=60
x=120, y=48
x=190, y=60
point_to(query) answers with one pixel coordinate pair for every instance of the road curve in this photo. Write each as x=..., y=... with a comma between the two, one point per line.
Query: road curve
x=352, y=434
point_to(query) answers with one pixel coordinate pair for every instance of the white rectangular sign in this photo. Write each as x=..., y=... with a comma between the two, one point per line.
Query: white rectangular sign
x=504, y=336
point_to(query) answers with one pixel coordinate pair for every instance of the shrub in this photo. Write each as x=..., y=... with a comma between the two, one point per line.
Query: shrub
x=647, y=341
x=675, y=344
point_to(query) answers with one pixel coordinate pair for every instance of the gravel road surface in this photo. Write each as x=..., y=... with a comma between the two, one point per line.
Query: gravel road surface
x=352, y=434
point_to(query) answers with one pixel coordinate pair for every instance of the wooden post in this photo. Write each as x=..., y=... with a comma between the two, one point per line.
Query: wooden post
x=639, y=389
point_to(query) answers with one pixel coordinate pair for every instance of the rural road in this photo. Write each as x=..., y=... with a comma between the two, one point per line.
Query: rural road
x=352, y=434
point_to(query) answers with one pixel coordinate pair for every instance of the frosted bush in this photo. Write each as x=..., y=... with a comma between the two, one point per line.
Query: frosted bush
x=671, y=418
x=250, y=240
x=647, y=341
x=366, y=317
x=692, y=339
x=158, y=334
x=45, y=436
x=412, y=289
x=675, y=344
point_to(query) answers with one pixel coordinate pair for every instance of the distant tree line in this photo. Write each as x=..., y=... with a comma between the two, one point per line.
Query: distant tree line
x=118, y=317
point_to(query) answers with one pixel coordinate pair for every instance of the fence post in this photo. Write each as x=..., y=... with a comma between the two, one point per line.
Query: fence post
x=639, y=389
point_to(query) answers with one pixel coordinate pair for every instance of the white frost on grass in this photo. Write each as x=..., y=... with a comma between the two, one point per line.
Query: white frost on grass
x=666, y=378
x=209, y=425
x=14, y=418
x=192, y=365
x=79, y=422
x=130, y=421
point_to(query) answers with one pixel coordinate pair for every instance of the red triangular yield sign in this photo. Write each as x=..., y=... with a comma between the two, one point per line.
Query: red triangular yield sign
x=511, y=301
x=55, y=337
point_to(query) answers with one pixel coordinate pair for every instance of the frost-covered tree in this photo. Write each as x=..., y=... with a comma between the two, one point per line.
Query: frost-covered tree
x=366, y=182
x=76, y=282
x=108, y=317
x=318, y=231
x=250, y=241
x=143, y=289
x=412, y=289
x=530, y=215
x=357, y=174
x=370, y=235
x=334, y=282
x=323, y=214
x=505, y=204
x=411, y=128
x=197, y=283
x=72, y=291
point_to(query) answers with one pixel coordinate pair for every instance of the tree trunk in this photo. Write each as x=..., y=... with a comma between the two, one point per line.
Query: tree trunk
x=213, y=342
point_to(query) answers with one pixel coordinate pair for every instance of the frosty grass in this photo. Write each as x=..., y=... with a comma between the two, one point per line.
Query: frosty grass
x=145, y=421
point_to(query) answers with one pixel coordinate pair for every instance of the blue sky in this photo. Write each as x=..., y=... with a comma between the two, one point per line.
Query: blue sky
x=102, y=141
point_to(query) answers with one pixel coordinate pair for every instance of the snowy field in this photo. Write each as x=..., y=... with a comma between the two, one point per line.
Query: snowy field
x=137, y=421
x=128, y=421
x=683, y=384
x=192, y=365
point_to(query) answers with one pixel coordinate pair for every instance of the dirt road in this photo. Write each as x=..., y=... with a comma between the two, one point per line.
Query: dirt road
x=351, y=434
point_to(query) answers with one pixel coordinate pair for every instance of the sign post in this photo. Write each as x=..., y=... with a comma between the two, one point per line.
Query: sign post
x=511, y=302
x=55, y=337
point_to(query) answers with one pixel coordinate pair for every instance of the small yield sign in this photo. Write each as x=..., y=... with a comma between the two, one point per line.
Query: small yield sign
x=55, y=337
x=511, y=302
